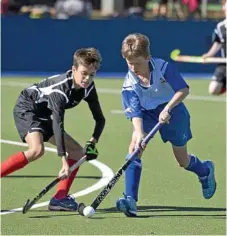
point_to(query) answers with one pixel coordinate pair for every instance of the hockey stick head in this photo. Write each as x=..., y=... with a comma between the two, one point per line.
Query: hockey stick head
x=174, y=54
x=87, y=211
x=26, y=207
x=81, y=209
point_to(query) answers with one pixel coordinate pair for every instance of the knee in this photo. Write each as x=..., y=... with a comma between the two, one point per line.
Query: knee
x=213, y=91
x=215, y=88
x=34, y=153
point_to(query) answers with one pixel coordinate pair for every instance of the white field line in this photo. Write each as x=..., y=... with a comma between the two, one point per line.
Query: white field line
x=107, y=175
x=117, y=112
x=118, y=91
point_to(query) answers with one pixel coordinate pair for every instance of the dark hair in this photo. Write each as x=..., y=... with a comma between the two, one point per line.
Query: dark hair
x=87, y=57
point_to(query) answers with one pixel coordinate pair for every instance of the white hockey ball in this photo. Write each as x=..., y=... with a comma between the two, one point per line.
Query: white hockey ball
x=89, y=211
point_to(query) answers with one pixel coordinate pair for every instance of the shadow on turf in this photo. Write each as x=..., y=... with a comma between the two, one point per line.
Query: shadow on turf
x=56, y=214
x=141, y=209
x=154, y=209
x=48, y=176
x=51, y=216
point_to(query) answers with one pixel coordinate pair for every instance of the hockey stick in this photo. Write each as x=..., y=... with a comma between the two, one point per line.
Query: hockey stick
x=29, y=203
x=175, y=55
x=97, y=201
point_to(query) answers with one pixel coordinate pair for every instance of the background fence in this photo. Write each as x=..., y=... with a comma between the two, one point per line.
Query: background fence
x=47, y=45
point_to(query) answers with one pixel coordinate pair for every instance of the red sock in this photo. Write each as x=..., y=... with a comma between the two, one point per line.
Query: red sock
x=223, y=90
x=65, y=184
x=13, y=163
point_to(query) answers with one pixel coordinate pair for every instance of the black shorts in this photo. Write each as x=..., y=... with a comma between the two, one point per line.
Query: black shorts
x=27, y=121
x=220, y=74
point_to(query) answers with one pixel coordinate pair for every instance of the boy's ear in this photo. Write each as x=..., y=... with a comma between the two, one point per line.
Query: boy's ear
x=73, y=68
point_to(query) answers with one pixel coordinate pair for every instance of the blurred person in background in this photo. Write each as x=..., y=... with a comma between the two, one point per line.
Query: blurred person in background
x=193, y=8
x=11, y=7
x=131, y=8
x=65, y=9
x=135, y=8
x=37, y=9
x=30, y=8
x=218, y=83
x=162, y=9
x=4, y=6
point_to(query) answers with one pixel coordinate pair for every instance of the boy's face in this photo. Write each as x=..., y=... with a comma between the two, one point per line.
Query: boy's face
x=83, y=76
x=137, y=64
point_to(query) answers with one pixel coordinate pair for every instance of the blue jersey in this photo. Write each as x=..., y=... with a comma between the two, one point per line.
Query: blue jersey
x=148, y=102
x=165, y=80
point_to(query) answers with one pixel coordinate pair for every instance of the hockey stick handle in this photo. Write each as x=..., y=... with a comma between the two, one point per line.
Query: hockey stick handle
x=97, y=201
x=76, y=165
x=176, y=56
x=195, y=59
x=149, y=136
x=152, y=133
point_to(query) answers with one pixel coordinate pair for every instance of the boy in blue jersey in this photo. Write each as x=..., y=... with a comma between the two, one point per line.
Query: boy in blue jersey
x=153, y=92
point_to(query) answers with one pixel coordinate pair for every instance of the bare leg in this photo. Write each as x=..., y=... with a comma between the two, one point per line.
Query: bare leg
x=75, y=152
x=35, y=146
x=21, y=159
x=73, y=148
x=215, y=87
x=181, y=155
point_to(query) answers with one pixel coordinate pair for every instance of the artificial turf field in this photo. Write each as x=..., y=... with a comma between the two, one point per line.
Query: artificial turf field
x=170, y=201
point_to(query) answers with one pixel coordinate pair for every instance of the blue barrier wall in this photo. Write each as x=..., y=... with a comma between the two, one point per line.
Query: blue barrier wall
x=48, y=45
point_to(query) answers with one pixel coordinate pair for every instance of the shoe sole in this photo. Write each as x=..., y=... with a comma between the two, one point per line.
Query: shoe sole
x=131, y=214
x=124, y=208
x=58, y=208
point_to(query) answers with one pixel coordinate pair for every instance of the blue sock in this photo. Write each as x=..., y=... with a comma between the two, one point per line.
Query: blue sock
x=132, y=178
x=197, y=166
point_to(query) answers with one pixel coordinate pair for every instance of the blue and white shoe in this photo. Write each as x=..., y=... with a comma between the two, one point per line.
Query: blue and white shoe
x=208, y=182
x=127, y=205
x=65, y=204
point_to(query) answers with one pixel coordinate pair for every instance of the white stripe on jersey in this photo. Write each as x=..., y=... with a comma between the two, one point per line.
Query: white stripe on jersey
x=50, y=89
x=88, y=92
x=218, y=30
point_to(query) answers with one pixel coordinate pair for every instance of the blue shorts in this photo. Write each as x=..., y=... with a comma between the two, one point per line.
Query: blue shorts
x=178, y=130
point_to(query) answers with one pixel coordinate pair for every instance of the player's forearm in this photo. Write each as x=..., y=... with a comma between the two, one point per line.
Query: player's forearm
x=178, y=97
x=138, y=124
x=213, y=50
x=99, y=126
x=99, y=118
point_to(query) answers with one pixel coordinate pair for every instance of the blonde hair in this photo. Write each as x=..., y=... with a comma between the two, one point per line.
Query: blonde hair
x=135, y=45
x=87, y=57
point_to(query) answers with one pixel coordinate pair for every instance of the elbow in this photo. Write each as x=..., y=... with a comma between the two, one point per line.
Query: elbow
x=186, y=91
